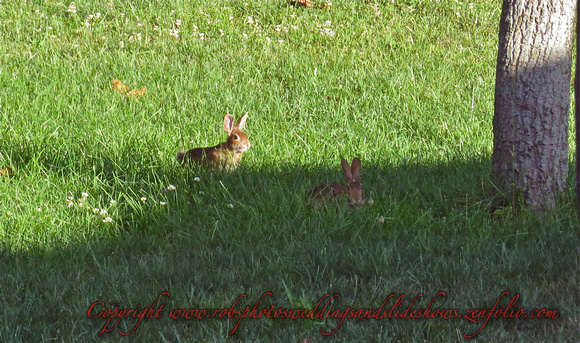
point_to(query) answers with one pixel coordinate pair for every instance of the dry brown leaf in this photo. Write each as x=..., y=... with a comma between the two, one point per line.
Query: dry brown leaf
x=326, y=5
x=305, y=3
x=137, y=92
x=6, y=172
x=118, y=85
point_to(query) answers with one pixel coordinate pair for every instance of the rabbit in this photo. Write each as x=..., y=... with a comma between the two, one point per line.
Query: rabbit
x=224, y=156
x=353, y=188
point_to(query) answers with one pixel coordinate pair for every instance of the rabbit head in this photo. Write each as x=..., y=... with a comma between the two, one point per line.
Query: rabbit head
x=356, y=195
x=237, y=141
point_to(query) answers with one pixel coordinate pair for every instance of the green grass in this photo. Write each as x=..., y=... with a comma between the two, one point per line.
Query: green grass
x=407, y=86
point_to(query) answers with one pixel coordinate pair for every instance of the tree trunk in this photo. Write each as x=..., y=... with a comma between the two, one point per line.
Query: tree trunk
x=532, y=99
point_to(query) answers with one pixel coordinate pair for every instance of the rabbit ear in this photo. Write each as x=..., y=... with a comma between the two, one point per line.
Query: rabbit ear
x=346, y=168
x=228, y=123
x=356, y=168
x=242, y=121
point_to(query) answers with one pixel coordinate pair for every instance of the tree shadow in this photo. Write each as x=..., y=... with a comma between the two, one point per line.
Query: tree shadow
x=254, y=231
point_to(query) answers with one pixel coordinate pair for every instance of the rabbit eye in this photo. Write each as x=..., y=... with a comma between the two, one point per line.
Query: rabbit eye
x=236, y=137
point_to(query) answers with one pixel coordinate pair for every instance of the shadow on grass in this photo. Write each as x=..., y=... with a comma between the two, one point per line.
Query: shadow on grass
x=253, y=231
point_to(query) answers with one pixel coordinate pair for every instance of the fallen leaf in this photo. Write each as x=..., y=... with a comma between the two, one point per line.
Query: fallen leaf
x=137, y=92
x=119, y=86
x=305, y=3
x=6, y=172
x=326, y=5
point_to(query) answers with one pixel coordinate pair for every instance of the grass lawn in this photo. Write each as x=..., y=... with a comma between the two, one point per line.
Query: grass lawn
x=98, y=217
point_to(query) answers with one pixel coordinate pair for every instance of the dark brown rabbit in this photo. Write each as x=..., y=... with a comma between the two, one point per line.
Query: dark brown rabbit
x=353, y=188
x=224, y=156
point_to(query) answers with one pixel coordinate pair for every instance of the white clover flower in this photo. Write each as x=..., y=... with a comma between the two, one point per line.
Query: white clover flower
x=39, y=209
x=178, y=22
x=197, y=179
x=103, y=212
x=8, y=213
x=108, y=220
x=231, y=205
x=135, y=36
x=245, y=35
x=202, y=36
x=143, y=199
x=88, y=20
x=222, y=32
x=71, y=204
x=250, y=20
x=327, y=31
x=162, y=203
x=174, y=33
x=112, y=202
x=95, y=210
x=85, y=194
x=171, y=187
x=72, y=8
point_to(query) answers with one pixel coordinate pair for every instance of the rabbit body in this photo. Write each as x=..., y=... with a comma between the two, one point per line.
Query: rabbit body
x=224, y=156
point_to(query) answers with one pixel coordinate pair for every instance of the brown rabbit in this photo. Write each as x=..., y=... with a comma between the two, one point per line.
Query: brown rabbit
x=225, y=156
x=353, y=188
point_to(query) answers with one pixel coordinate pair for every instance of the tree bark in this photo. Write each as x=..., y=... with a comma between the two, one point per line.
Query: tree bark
x=532, y=99
x=577, y=117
